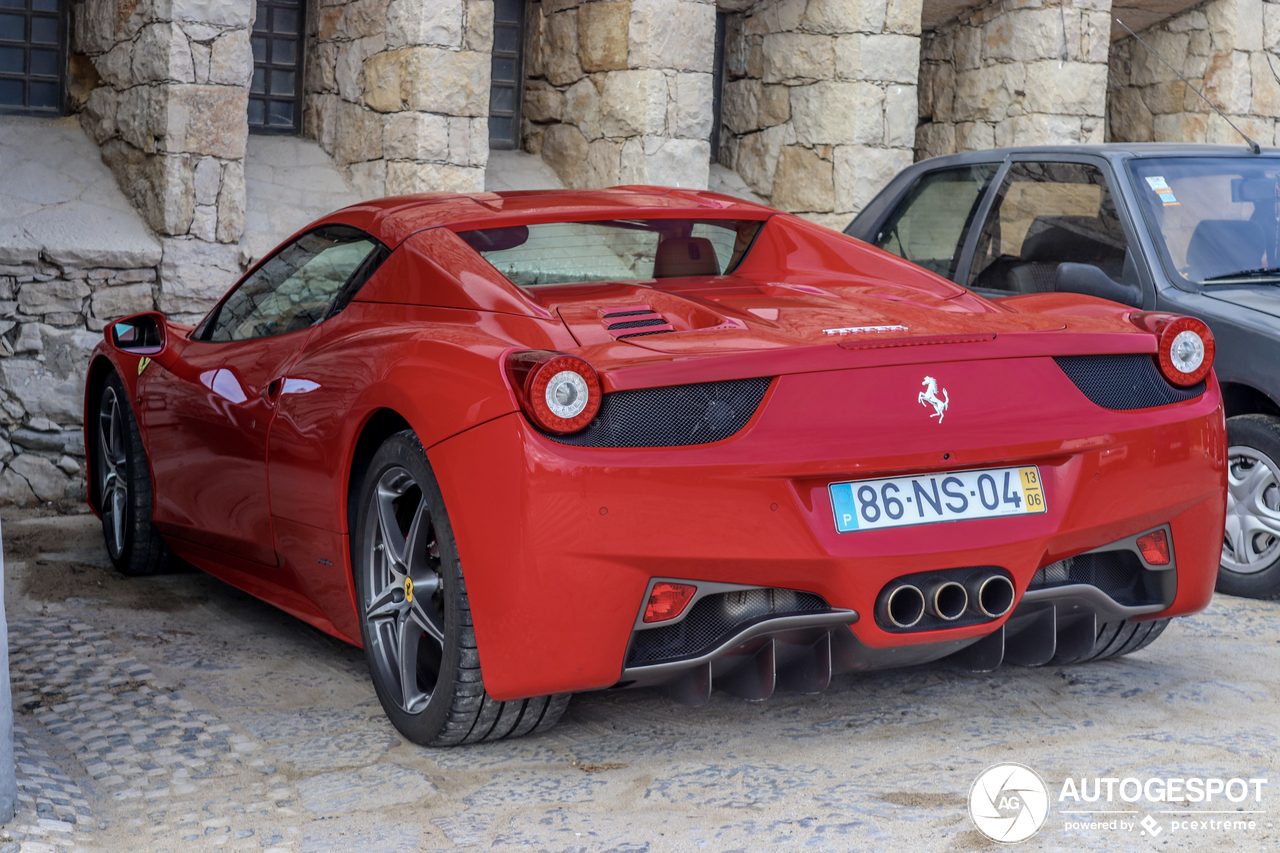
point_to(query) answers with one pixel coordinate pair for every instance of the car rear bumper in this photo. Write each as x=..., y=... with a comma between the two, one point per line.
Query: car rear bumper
x=559, y=544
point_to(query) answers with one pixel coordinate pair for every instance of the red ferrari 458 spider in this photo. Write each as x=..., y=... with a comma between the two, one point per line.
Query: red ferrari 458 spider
x=520, y=445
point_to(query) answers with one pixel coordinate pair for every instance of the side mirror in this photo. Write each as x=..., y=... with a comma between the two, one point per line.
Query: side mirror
x=1091, y=281
x=141, y=334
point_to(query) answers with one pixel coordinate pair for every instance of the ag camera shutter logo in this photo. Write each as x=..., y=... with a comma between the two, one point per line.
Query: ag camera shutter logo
x=1009, y=802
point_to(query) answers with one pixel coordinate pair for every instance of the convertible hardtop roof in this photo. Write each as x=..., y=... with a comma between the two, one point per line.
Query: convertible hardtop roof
x=393, y=219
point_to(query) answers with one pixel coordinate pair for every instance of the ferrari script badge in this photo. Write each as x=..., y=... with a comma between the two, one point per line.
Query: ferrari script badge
x=408, y=590
x=929, y=397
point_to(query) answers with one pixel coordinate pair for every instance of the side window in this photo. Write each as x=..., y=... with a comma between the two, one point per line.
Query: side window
x=1047, y=214
x=299, y=285
x=929, y=227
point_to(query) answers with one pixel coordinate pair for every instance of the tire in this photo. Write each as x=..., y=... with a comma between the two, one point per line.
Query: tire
x=123, y=486
x=414, y=613
x=1250, y=564
x=1123, y=638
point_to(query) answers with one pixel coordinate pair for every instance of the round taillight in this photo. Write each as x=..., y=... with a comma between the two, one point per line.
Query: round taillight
x=1186, y=351
x=562, y=394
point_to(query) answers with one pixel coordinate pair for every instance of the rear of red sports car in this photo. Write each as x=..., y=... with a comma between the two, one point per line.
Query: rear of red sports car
x=548, y=443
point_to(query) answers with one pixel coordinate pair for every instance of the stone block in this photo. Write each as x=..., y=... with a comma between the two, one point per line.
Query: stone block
x=204, y=222
x=99, y=115
x=1072, y=89
x=803, y=181
x=1148, y=69
x=565, y=149
x=692, y=104
x=116, y=65
x=1179, y=127
x=194, y=274
x=740, y=107
x=756, y=157
x=358, y=134
x=319, y=74
x=218, y=13
x=46, y=480
x=634, y=103
x=543, y=102
x=967, y=47
x=1039, y=129
x=364, y=18
x=207, y=179
x=1271, y=26
x=414, y=22
x=795, y=57
x=901, y=116
x=860, y=173
x=206, y=120
x=479, y=28
x=975, y=136
x=832, y=113
x=44, y=297
x=1258, y=128
x=893, y=58
x=675, y=34
x=602, y=35
x=140, y=117
x=1025, y=35
x=94, y=27
x=232, y=203
x=459, y=141
x=780, y=16
x=582, y=108
x=1128, y=116
x=535, y=40
x=416, y=136
x=935, y=140
x=384, y=81
x=1228, y=82
x=349, y=67
x=775, y=105
x=677, y=162
x=1266, y=84
x=14, y=488
x=1167, y=97
x=604, y=158
x=231, y=59
x=110, y=303
x=404, y=177
x=903, y=16
x=449, y=82
x=988, y=93
x=161, y=54
x=560, y=50
x=52, y=388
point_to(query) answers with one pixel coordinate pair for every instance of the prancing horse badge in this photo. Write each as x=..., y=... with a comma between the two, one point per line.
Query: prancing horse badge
x=929, y=397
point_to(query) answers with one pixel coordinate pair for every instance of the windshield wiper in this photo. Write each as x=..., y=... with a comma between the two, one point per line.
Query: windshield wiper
x=1226, y=278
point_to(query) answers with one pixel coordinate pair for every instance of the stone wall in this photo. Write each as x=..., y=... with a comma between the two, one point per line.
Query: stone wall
x=620, y=91
x=51, y=316
x=819, y=108
x=1015, y=72
x=1227, y=48
x=397, y=91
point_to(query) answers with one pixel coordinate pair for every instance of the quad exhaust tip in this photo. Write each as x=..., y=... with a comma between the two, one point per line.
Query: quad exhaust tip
x=904, y=607
x=993, y=596
x=948, y=601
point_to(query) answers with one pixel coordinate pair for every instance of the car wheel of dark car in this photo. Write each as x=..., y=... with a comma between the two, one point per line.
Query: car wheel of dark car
x=1251, y=542
x=415, y=619
x=123, y=483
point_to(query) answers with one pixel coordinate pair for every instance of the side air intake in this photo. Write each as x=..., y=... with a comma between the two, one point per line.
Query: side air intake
x=1126, y=381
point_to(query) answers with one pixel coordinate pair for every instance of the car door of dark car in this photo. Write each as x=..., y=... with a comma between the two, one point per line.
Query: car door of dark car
x=1054, y=226
x=208, y=417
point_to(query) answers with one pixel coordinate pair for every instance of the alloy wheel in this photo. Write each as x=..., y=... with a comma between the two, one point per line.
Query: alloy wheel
x=113, y=474
x=1251, y=541
x=403, y=604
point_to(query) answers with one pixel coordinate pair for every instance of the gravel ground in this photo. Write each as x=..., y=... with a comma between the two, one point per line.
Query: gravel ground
x=177, y=713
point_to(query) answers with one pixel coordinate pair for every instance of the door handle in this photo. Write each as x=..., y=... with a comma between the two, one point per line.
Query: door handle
x=272, y=391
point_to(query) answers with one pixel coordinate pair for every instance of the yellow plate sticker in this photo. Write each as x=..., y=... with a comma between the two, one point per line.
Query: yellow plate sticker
x=1032, y=491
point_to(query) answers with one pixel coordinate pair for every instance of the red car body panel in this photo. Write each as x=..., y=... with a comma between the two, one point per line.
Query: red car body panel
x=252, y=444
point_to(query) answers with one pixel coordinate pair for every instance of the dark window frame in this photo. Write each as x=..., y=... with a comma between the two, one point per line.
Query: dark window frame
x=516, y=113
x=262, y=30
x=60, y=81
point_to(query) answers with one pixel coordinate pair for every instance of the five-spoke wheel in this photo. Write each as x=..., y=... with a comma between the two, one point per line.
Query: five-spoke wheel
x=415, y=614
x=1251, y=540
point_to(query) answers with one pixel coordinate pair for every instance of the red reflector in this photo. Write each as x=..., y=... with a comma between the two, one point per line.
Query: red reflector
x=667, y=601
x=1155, y=548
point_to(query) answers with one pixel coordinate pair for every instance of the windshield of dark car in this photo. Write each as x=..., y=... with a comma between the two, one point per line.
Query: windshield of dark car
x=613, y=250
x=1212, y=217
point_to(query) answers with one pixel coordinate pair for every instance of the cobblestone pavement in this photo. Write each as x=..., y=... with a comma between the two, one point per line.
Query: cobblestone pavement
x=176, y=713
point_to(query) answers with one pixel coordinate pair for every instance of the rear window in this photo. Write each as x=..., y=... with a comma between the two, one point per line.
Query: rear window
x=614, y=250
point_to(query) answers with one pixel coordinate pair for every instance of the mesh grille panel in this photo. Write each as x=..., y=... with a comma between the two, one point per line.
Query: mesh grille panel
x=716, y=617
x=1120, y=574
x=627, y=313
x=1128, y=381
x=645, y=334
x=635, y=324
x=671, y=416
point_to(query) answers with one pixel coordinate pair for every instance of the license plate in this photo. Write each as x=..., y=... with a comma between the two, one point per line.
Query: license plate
x=930, y=498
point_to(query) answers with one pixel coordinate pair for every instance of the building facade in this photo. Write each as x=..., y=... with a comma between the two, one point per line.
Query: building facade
x=814, y=104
